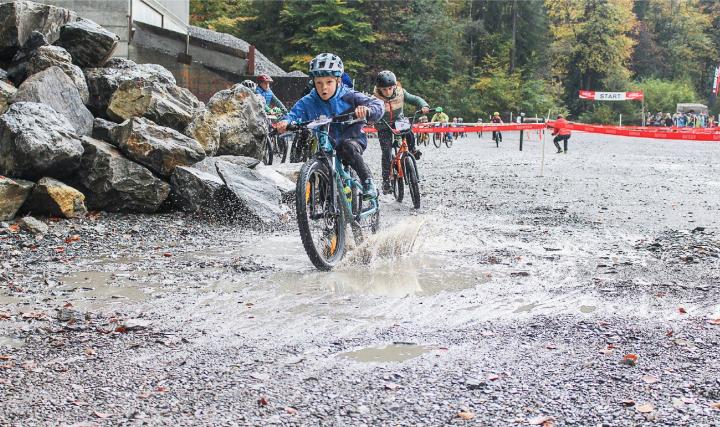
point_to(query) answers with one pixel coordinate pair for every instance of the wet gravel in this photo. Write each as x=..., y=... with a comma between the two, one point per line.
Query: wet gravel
x=586, y=296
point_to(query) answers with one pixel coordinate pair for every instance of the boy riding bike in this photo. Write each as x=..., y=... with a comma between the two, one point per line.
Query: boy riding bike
x=263, y=89
x=331, y=98
x=497, y=135
x=390, y=92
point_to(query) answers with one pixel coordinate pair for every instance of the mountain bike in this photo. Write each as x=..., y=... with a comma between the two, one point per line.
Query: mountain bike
x=497, y=137
x=442, y=137
x=328, y=198
x=303, y=145
x=403, y=166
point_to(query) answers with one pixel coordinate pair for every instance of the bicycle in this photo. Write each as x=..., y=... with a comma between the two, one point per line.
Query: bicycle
x=497, y=137
x=328, y=197
x=275, y=144
x=403, y=166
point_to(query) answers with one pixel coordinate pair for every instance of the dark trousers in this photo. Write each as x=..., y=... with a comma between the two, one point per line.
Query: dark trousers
x=386, y=139
x=559, y=138
x=350, y=152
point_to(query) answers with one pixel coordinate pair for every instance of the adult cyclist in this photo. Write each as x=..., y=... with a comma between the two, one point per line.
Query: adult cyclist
x=497, y=135
x=391, y=93
x=263, y=89
x=331, y=98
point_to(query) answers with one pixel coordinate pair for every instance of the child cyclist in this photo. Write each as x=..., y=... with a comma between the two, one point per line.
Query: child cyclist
x=331, y=98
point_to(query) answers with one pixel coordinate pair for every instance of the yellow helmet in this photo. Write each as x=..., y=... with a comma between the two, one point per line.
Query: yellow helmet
x=496, y=114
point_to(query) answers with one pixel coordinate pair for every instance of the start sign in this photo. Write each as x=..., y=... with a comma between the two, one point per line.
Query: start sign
x=610, y=96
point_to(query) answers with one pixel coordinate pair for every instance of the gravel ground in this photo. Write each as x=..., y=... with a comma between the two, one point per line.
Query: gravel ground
x=585, y=296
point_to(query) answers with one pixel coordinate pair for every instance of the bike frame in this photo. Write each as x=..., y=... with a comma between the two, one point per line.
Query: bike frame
x=327, y=152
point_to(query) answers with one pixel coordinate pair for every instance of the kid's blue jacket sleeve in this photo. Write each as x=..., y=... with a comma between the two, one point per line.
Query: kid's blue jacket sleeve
x=377, y=108
x=298, y=113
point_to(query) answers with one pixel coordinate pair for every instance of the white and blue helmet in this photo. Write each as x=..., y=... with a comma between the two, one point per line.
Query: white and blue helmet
x=326, y=64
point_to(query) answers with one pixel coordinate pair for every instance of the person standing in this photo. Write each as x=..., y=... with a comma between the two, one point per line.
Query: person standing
x=562, y=133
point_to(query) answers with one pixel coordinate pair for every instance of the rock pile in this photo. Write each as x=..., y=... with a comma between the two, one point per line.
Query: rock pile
x=81, y=130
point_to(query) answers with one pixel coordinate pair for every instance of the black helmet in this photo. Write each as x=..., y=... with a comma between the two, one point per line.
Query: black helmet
x=385, y=79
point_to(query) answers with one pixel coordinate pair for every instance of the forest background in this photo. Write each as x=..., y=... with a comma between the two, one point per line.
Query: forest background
x=474, y=57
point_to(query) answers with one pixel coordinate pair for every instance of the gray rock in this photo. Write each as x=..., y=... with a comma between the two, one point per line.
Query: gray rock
x=48, y=56
x=284, y=185
x=54, y=198
x=3, y=75
x=209, y=164
x=18, y=69
x=37, y=141
x=290, y=171
x=104, y=130
x=7, y=91
x=13, y=193
x=233, y=123
x=198, y=191
x=259, y=201
x=54, y=88
x=114, y=183
x=158, y=148
x=18, y=19
x=103, y=82
x=33, y=225
x=89, y=44
x=165, y=104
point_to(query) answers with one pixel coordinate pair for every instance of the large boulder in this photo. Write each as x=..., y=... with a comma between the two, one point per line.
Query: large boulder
x=103, y=82
x=20, y=18
x=209, y=164
x=13, y=193
x=7, y=91
x=259, y=201
x=37, y=141
x=233, y=123
x=159, y=148
x=89, y=44
x=282, y=183
x=290, y=171
x=53, y=198
x=54, y=88
x=104, y=130
x=18, y=69
x=3, y=75
x=165, y=104
x=114, y=183
x=198, y=191
x=55, y=56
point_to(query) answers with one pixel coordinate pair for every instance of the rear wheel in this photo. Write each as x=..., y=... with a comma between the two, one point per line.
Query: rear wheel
x=280, y=145
x=368, y=225
x=448, y=141
x=319, y=216
x=267, y=156
x=411, y=177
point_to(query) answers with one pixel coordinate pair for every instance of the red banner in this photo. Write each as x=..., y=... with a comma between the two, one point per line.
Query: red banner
x=425, y=128
x=690, y=134
x=610, y=96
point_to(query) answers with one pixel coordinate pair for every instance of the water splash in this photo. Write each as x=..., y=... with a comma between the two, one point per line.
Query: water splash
x=387, y=244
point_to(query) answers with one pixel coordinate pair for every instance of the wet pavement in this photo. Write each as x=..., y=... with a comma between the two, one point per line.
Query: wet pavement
x=510, y=298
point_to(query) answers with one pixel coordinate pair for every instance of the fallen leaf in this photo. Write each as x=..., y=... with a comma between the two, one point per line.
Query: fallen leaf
x=650, y=379
x=645, y=408
x=714, y=321
x=5, y=357
x=144, y=395
x=79, y=403
x=14, y=228
x=628, y=402
x=688, y=400
x=4, y=316
x=681, y=310
x=669, y=333
x=73, y=238
x=121, y=329
x=67, y=305
x=29, y=365
x=466, y=415
x=392, y=386
x=290, y=410
x=89, y=351
x=262, y=401
x=715, y=405
x=630, y=359
x=161, y=389
x=611, y=346
x=493, y=377
x=37, y=315
x=541, y=420
x=551, y=346
x=6, y=366
x=167, y=254
x=606, y=351
x=101, y=414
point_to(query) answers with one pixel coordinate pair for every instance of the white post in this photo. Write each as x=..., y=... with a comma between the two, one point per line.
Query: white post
x=620, y=119
x=542, y=159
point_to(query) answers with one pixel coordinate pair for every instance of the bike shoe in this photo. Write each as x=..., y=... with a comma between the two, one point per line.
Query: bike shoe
x=387, y=189
x=369, y=190
x=417, y=154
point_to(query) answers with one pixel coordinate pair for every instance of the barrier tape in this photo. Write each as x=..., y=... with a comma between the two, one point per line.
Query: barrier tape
x=424, y=128
x=689, y=134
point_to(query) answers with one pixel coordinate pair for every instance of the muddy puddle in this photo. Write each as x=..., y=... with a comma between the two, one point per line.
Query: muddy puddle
x=90, y=290
x=391, y=353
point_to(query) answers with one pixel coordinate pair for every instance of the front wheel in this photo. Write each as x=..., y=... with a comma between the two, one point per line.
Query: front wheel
x=437, y=139
x=411, y=176
x=396, y=182
x=448, y=141
x=267, y=154
x=319, y=215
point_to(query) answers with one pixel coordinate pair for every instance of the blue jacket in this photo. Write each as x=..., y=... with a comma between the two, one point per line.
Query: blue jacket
x=311, y=106
x=270, y=98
